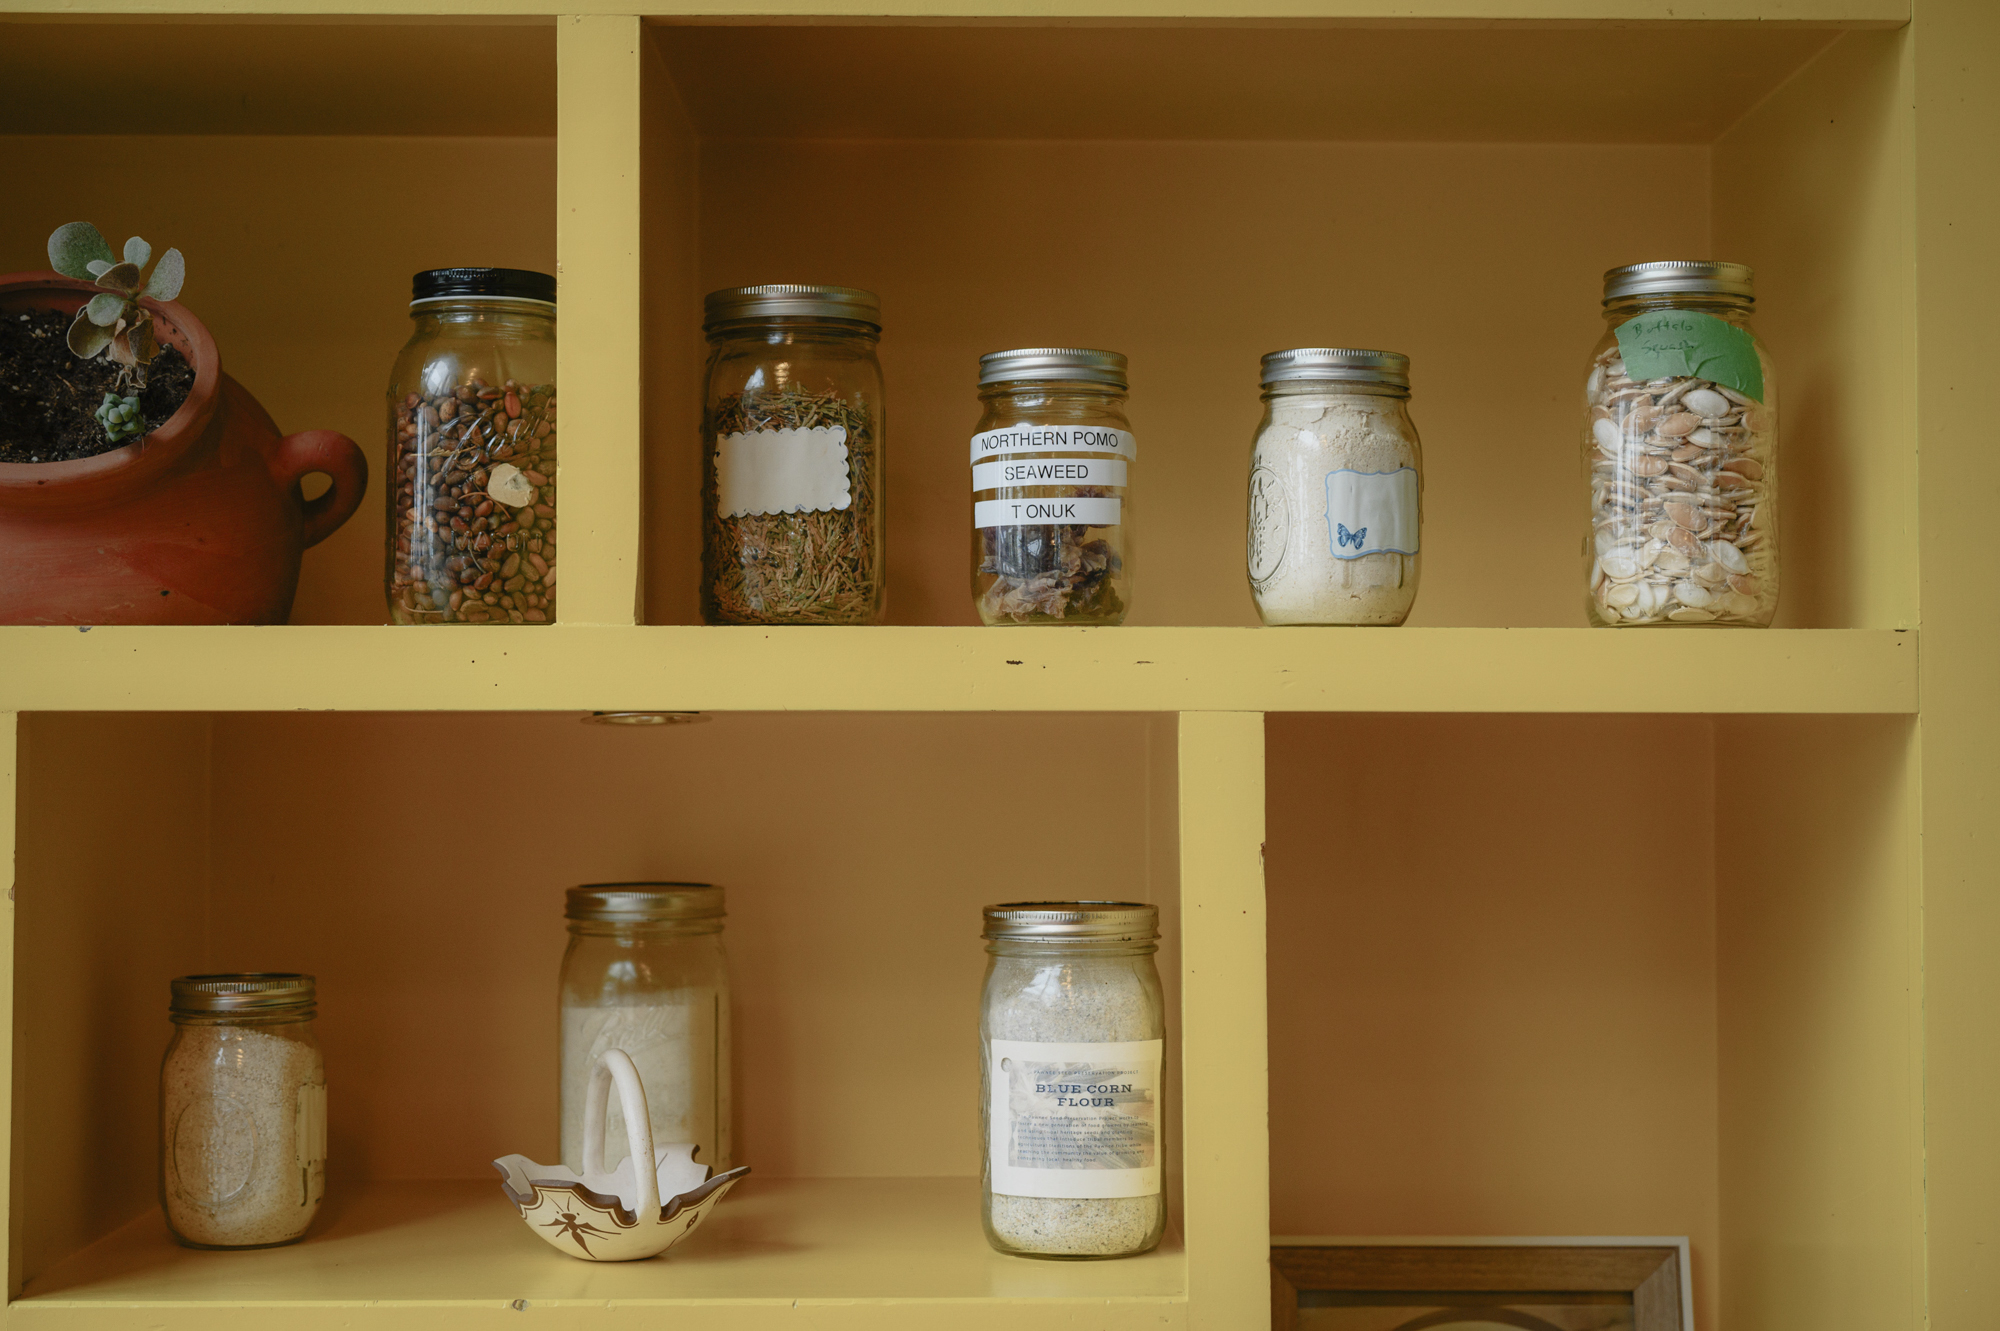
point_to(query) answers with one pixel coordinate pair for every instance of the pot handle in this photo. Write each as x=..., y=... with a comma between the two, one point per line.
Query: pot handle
x=616, y=1065
x=299, y=455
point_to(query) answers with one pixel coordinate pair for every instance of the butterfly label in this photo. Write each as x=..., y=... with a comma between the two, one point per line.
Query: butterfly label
x=1372, y=512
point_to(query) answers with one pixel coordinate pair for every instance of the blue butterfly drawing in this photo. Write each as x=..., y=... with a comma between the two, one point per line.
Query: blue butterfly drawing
x=1342, y=536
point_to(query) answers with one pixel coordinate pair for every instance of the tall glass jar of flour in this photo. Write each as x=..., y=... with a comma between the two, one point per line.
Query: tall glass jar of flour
x=1071, y=1035
x=1680, y=451
x=1336, y=490
x=645, y=973
x=1050, y=513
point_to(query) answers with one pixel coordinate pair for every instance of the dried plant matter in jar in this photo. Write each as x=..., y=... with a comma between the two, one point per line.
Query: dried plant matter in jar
x=1682, y=508
x=792, y=568
x=1051, y=573
x=475, y=505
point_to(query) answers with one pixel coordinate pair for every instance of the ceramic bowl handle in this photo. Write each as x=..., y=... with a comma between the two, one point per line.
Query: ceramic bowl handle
x=616, y=1064
x=299, y=455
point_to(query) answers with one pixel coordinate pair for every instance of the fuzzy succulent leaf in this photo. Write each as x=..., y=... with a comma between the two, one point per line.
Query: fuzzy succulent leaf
x=137, y=251
x=74, y=245
x=104, y=309
x=139, y=337
x=99, y=267
x=168, y=274
x=120, y=277
x=86, y=339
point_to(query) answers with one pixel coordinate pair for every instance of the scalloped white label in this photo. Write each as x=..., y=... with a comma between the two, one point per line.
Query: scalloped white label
x=782, y=471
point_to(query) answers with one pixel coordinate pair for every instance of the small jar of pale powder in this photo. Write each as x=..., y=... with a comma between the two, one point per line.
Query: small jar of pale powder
x=242, y=1111
x=1071, y=1035
x=1336, y=490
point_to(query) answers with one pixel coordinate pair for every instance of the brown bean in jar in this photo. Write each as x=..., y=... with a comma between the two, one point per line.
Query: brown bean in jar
x=473, y=431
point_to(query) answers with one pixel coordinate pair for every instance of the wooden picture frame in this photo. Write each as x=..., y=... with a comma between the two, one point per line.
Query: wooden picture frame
x=1653, y=1272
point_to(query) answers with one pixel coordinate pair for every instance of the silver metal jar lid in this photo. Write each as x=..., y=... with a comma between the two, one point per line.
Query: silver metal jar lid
x=795, y=302
x=1065, y=363
x=1106, y=921
x=643, y=903
x=1676, y=277
x=243, y=993
x=1339, y=364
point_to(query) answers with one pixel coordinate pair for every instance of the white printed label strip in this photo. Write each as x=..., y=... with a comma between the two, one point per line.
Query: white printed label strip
x=1048, y=471
x=1371, y=512
x=781, y=471
x=1046, y=512
x=1074, y=1120
x=1053, y=439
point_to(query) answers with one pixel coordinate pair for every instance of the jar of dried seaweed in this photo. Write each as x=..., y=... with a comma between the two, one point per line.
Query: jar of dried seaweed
x=472, y=450
x=1680, y=448
x=792, y=457
x=1050, y=514
x=1071, y=1034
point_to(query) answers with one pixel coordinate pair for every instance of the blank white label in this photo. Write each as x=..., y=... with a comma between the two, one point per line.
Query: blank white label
x=1046, y=512
x=1074, y=1120
x=1033, y=439
x=781, y=471
x=1048, y=471
x=1371, y=512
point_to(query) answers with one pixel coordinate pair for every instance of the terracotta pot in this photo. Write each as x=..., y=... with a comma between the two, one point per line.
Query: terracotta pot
x=200, y=522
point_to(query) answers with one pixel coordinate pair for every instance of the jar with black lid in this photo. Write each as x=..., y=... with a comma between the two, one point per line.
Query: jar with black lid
x=472, y=449
x=792, y=457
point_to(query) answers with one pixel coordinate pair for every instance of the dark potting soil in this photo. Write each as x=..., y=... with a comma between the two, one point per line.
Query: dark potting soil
x=49, y=398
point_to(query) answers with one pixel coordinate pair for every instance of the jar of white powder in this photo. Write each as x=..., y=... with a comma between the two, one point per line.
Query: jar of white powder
x=1071, y=1034
x=242, y=1111
x=645, y=973
x=1336, y=490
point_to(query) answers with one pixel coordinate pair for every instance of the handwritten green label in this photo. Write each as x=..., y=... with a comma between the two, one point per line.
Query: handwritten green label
x=1686, y=344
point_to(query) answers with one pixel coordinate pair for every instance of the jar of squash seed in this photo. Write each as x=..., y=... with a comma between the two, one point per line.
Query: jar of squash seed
x=1680, y=448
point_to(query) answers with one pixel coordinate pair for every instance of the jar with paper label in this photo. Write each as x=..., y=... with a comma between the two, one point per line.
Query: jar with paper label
x=1051, y=516
x=792, y=457
x=1336, y=490
x=1680, y=449
x=645, y=973
x=1071, y=1039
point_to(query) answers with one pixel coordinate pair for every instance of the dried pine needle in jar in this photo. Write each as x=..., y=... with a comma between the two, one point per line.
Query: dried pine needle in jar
x=792, y=457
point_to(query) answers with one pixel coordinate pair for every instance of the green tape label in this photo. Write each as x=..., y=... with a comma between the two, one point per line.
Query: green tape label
x=1686, y=344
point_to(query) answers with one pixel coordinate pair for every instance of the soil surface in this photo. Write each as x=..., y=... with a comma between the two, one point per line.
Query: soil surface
x=49, y=398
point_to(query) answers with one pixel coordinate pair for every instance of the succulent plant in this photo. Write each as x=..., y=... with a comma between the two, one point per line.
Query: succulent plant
x=121, y=418
x=113, y=321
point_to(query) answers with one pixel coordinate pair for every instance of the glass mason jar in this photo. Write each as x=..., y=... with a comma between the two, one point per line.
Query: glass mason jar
x=242, y=1111
x=1680, y=448
x=1072, y=1029
x=791, y=473
x=1336, y=490
x=645, y=972
x=472, y=443
x=1049, y=508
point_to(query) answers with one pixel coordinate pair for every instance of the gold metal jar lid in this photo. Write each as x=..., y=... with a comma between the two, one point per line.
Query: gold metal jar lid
x=791, y=301
x=1097, y=921
x=644, y=903
x=1032, y=364
x=1338, y=365
x=244, y=993
x=1680, y=277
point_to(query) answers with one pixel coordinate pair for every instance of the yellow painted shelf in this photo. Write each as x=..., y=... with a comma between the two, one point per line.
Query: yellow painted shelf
x=957, y=669
x=882, y=1252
